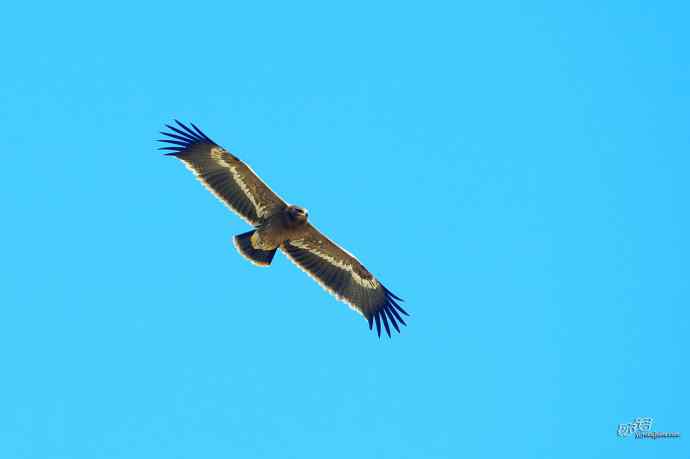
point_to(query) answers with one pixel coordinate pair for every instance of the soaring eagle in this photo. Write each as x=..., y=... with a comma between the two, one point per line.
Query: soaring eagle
x=278, y=225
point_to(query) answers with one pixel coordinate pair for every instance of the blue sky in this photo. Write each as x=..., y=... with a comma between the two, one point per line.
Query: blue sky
x=517, y=171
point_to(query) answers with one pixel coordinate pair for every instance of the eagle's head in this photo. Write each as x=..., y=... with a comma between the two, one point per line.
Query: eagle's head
x=297, y=214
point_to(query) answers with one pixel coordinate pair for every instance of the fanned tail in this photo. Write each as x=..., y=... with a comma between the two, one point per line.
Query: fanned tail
x=243, y=242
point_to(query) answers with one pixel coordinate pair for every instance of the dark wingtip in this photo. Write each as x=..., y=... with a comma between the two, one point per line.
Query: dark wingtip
x=184, y=137
x=392, y=294
x=186, y=128
x=385, y=323
x=391, y=299
x=397, y=306
x=201, y=133
x=387, y=310
x=397, y=316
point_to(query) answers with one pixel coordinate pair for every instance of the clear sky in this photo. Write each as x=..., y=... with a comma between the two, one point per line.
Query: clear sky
x=517, y=171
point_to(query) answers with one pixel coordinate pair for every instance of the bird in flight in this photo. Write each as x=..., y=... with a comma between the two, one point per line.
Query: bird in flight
x=278, y=225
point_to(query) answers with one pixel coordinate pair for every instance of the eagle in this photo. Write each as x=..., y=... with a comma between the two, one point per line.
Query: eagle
x=278, y=225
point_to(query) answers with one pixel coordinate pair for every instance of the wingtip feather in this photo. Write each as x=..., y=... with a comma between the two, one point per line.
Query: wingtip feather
x=392, y=319
x=184, y=136
x=385, y=323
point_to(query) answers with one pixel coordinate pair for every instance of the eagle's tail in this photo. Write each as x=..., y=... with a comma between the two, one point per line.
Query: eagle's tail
x=243, y=242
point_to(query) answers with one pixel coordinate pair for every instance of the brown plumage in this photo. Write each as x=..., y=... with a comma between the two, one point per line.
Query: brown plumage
x=278, y=225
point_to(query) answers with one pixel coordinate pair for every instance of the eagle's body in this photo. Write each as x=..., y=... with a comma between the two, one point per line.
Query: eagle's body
x=289, y=223
x=278, y=225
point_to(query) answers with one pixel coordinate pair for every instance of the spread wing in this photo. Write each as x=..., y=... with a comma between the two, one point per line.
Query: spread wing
x=225, y=175
x=341, y=274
